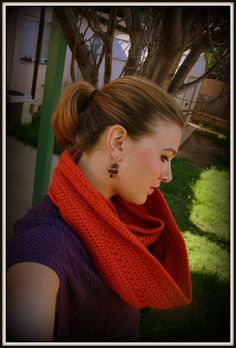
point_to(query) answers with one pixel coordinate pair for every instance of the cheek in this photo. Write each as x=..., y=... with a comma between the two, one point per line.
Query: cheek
x=135, y=162
x=141, y=166
x=137, y=174
x=150, y=163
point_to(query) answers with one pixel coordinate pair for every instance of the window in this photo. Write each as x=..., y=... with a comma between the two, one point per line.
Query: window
x=45, y=43
x=29, y=40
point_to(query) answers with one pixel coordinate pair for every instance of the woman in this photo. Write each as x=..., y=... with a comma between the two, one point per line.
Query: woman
x=103, y=243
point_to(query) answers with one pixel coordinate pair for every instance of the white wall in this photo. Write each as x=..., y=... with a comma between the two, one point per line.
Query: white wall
x=11, y=18
x=20, y=74
x=188, y=98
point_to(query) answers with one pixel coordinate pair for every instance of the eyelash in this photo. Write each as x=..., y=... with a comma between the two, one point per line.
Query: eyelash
x=164, y=158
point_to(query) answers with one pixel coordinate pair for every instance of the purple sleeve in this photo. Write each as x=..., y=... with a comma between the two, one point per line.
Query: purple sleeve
x=40, y=244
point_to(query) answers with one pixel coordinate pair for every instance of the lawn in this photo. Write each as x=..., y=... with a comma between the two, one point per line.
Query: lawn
x=199, y=200
x=29, y=133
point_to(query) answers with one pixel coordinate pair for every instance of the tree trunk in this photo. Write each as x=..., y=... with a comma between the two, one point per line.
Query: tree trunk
x=177, y=83
x=149, y=64
x=68, y=23
x=166, y=68
x=108, y=43
x=136, y=33
x=166, y=33
x=170, y=49
x=135, y=52
x=184, y=69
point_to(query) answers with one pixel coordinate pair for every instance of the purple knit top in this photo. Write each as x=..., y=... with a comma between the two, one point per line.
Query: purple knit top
x=88, y=310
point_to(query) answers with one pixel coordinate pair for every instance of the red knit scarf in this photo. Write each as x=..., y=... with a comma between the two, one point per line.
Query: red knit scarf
x=138, y=249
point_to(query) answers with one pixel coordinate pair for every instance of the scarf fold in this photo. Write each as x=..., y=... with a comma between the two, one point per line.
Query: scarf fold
x=138, y=250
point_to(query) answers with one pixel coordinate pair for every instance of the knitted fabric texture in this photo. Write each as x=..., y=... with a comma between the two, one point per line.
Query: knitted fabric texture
x=137, y=249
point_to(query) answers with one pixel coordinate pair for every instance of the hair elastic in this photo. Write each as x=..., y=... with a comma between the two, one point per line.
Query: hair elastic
x=92, y=94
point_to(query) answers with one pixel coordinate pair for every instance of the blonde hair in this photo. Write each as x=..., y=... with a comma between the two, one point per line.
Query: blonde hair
x=136, y=103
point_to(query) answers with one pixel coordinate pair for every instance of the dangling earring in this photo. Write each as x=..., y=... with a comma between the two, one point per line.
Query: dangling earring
x=113, y=169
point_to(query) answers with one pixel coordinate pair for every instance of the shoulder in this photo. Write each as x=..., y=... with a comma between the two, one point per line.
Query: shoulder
x=42, y=236
x=43, y=224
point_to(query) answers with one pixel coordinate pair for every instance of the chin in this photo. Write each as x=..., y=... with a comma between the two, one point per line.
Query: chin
x=139, y=200
x=133, y=197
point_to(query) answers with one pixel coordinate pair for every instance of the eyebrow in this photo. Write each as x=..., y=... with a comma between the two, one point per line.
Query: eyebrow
x=171, y=150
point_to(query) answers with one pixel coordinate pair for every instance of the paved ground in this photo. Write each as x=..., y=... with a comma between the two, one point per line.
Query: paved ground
x=20, y=165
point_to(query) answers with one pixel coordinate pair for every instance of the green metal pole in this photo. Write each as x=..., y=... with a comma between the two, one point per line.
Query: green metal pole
x=52, y=89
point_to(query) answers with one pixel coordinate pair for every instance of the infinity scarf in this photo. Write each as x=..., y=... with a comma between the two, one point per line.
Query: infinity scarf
x=138, y=250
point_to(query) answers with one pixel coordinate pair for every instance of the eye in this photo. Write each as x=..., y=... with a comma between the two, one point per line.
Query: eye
x=164, y=158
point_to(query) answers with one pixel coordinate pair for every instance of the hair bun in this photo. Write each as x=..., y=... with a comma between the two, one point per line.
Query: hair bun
x=73, y=102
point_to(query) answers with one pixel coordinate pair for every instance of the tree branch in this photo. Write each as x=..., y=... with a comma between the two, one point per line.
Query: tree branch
x=196, y=49
x=190, y=84
x=172, y=33
x=136, y=33
x=127, y=18
x=108, y=44
x=72, y=64
x=207, y=103
x=68, y=22
x=184, y=69
x=94, y=24
x=101, y=57
x=212, y=45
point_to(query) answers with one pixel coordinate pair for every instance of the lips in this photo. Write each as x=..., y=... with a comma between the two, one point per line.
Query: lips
x=151, y=190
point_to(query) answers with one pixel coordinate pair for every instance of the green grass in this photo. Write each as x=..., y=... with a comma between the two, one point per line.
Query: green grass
x=29, y=133
x=205, y=320
x=219, y=136
x=199, y=201
x=221, y=139
x=211, y=127
x=206, y=256
x=210, y=211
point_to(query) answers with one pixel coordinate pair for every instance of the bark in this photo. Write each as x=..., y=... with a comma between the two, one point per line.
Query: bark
x=171, y=47
x=94, y=23
x=149, y=64
x=182, y=28
x=177, y=83
x=100, y=58
x=164, y=32
x=68, y=23
x=194, y=23
x=108, y=43
x=106, y=36
x=167, y=65
x=192, y=83
x=184, y=69
x=153, y=46
x=136, y=33
x=134, y=57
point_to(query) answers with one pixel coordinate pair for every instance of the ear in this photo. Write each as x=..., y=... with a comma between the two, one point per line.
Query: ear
x=115, y=139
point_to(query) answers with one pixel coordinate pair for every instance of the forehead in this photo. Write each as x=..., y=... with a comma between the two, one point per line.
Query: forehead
x=167, y=133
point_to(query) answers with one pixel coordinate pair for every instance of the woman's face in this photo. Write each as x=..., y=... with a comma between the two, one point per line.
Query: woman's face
x=147, y=162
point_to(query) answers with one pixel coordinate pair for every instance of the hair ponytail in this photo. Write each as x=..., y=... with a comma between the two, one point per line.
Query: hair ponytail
x=69, y=112
x=134, y=102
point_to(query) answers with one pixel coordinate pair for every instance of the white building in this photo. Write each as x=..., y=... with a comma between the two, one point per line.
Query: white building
x=21, y=38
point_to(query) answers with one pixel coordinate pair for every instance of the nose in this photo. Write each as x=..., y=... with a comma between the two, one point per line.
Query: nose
x=166, y=176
